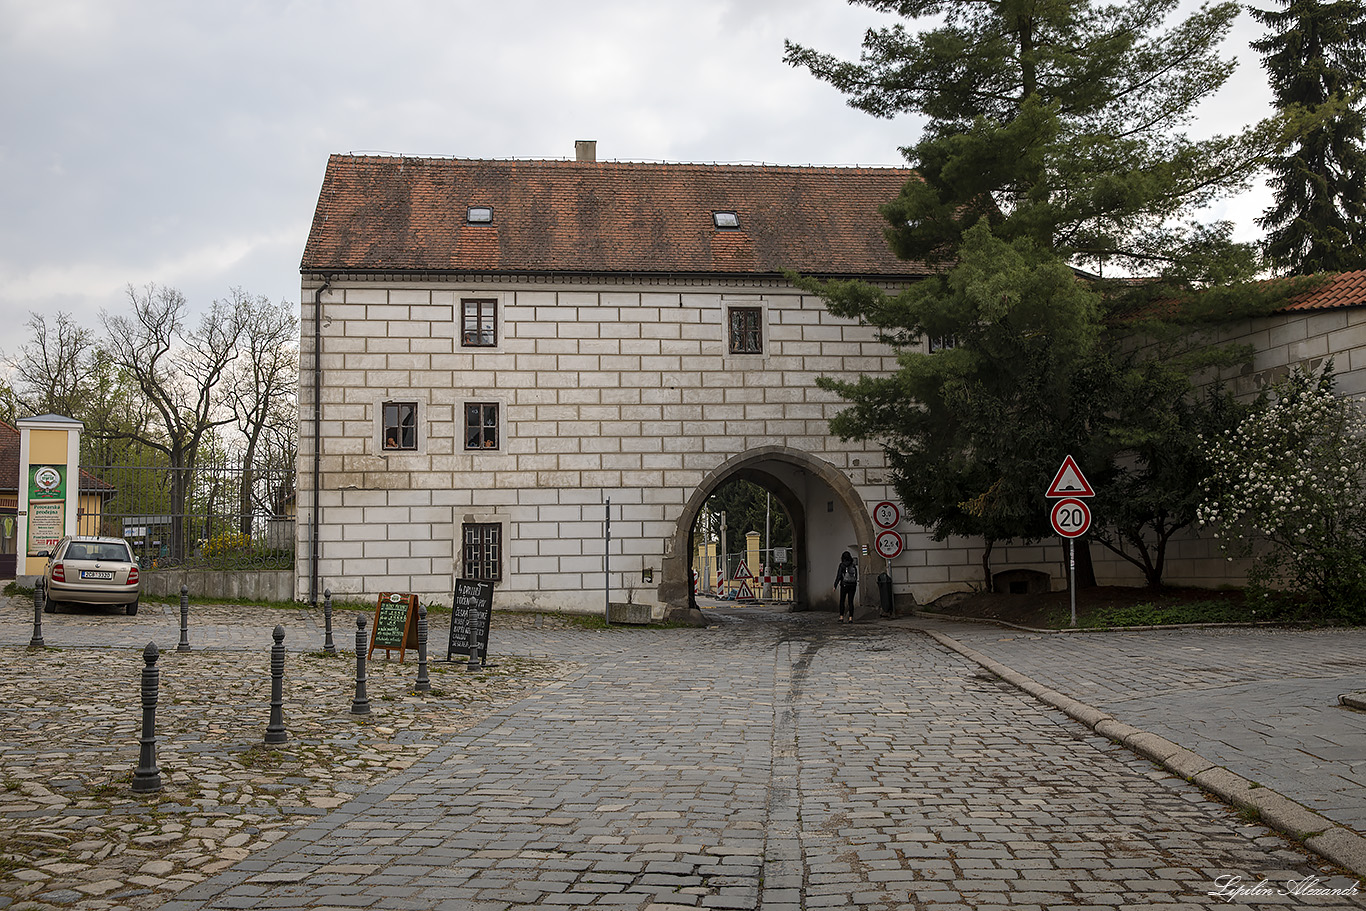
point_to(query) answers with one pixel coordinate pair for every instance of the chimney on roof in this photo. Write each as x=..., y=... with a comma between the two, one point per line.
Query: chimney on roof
x=586, y=150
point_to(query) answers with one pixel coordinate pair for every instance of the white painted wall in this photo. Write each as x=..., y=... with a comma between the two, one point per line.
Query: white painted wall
x=627, y=391
x=610, y=391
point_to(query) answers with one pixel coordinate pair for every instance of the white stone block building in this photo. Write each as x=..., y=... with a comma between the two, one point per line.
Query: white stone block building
x=507, y=345
x=493, y=350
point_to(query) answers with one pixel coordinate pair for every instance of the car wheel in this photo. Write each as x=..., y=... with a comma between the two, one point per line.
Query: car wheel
x=132, y=608
x=50, y=607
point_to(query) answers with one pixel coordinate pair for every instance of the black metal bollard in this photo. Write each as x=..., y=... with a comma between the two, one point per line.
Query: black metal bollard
x=424, y=684
x=329, y=647
x=184, y=645
x=361, y=704
x=39, y=599
x=474, y=664
x=147, y=777
x=275, y=731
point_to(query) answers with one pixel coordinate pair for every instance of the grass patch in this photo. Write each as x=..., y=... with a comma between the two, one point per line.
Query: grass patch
x=337, y=605
x=1214, y=611
x=261, y=757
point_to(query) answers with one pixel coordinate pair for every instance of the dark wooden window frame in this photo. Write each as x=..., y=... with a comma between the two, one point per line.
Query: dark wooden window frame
x=399, y=427
x=481, y=426
x=473, y=334
x=746, y=330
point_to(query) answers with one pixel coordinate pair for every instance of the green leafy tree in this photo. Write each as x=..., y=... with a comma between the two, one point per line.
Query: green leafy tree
x=1315, y=58
x=1288, y=488
x=748, y=507
x=1153, y=489
x=1053, y=142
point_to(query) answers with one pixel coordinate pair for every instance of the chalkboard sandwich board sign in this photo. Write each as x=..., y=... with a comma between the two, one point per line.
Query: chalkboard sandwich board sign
x=395, y=625
x=471, y=612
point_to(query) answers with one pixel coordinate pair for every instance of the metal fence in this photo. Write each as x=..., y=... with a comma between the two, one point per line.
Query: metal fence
x=214, y=516
x=772, y=578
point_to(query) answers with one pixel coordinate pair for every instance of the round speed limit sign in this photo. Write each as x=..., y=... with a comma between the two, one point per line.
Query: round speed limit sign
x=1071, y=517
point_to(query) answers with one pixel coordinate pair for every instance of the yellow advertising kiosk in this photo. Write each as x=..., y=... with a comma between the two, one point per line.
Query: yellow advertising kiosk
x=49, y=486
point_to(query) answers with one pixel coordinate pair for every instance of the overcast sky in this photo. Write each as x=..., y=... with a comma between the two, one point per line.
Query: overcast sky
x=183, y=143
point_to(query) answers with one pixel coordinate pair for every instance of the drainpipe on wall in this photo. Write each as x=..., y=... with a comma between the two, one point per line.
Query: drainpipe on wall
x=317, y=435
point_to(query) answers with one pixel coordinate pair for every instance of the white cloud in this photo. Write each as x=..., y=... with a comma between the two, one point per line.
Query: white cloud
x=184, y=143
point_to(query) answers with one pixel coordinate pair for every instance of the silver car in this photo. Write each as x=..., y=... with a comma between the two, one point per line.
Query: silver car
x=88, y=570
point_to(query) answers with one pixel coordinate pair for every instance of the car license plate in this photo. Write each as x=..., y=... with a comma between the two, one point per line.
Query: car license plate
x=96, y=574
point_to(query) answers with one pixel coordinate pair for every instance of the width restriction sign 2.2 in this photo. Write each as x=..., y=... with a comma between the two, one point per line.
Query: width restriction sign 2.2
x=1071, y=517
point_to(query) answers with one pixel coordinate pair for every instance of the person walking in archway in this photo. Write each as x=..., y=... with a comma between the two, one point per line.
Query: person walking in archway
x=846, y=582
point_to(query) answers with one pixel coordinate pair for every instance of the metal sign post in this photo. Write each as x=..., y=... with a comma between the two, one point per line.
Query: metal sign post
x=1071, y=517
x=1072, y=577
x=607, y=567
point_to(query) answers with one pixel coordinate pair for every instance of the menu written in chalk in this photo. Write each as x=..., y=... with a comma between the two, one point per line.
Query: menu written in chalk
x=471, y=612
x=395, y=624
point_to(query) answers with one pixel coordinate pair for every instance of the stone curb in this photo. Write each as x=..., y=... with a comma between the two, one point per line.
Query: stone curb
x=1074, y=630
x=1353, y=701
x=1336, y=843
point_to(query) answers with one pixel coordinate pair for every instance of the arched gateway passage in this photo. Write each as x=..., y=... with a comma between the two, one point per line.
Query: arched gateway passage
x=828, y=517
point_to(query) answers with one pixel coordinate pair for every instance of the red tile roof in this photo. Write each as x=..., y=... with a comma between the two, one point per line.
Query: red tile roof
x=385, y=214
x=1346, y=289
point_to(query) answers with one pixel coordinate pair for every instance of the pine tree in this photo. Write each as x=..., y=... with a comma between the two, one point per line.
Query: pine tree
x=1315, y=55
x=1053, y=142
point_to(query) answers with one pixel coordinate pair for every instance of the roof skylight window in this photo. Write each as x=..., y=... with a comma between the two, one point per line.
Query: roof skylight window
x=479, y=215
x=726, y=220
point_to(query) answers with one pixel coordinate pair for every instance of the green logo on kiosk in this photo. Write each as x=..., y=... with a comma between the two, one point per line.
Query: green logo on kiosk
x=46, y=482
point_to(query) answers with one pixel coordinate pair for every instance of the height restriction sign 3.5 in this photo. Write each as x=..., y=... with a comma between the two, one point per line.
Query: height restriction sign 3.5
x=1071, y=517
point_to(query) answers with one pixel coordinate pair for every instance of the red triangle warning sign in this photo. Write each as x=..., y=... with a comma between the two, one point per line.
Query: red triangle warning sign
x=744, y=592
x=1069, y=481
x=741, y=571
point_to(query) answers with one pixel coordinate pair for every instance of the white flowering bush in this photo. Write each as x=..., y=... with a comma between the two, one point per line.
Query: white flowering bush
x=1288, y=487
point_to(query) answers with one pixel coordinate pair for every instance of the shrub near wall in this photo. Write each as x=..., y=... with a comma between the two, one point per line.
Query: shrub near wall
x=1288, y=487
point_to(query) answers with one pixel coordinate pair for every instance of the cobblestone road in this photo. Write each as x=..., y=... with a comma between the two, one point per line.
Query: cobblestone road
x=774, y=763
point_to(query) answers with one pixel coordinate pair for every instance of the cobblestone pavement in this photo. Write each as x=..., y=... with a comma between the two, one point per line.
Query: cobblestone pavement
x=773, y=762
x=779, y=762
x=72, y=835
x=1261, y=702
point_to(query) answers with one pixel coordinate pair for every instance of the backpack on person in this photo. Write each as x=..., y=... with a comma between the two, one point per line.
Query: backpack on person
x=851, y=573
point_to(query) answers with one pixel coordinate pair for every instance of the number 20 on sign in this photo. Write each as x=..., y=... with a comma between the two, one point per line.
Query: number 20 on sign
x=1071, y=517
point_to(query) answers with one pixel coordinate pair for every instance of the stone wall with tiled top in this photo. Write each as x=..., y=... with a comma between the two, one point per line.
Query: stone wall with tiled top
x=1281, y=343
x=1304, y=338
